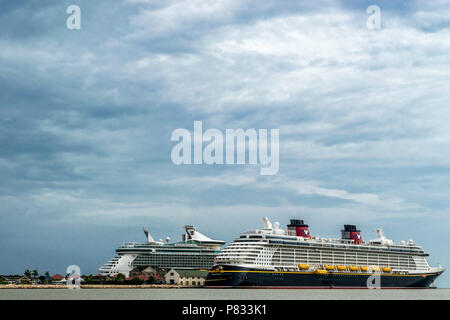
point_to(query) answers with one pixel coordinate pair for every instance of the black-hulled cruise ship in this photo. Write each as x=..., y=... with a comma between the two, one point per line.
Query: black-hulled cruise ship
x=194, y=251
x=291, y=258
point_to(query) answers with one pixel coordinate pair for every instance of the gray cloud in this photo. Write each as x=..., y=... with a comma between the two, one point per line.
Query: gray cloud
x=86, y=118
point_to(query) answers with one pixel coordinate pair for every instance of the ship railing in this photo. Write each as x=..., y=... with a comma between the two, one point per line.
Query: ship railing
x=129, y=244
x=251, y=232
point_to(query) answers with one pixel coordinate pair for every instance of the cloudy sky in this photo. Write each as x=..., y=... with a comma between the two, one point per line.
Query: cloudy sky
x=86, y=118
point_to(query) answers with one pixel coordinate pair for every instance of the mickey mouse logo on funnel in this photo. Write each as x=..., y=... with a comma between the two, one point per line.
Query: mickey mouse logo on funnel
x=299, y=228
x=351, y=233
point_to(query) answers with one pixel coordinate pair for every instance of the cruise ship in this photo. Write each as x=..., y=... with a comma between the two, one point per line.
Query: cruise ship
x=291, y=258
x=194, y=251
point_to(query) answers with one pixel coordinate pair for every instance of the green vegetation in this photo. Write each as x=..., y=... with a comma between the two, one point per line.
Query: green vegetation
x=88, y=278
x=45, y=279
x=120, y=278
x=34, y=277
x=150, y=280
x=135, y=280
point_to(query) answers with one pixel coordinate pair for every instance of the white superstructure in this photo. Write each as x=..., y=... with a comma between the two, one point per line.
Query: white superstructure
x=118, y=264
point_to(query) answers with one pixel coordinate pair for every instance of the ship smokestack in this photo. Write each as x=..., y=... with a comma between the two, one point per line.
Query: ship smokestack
x=298, y=228
x=351, y=233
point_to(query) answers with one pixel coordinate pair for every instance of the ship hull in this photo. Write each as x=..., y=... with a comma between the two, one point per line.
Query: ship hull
x=239, y=277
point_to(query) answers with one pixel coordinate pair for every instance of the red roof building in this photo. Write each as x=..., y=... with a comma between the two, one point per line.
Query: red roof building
x=141, y=277
x=57, y=277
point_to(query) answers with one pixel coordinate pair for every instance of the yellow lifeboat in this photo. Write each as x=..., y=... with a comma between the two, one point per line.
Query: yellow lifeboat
x=353, y=268
x=363, y=268
x=329, y=267
x=375, y=268
x=386, y=269
x=303, y=266
x=320, y=271
x=341, y=268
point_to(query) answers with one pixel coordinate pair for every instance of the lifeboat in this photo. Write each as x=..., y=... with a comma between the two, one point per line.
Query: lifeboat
x=363, y=268
x=341, y=268
x=353, y=268
x=320, y=271
x=375, y=268
x=303, y=266
x=329, y=267
x=386, y=269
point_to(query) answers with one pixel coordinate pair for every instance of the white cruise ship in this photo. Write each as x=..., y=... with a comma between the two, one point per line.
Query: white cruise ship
x=194, y=251
x=275, y=257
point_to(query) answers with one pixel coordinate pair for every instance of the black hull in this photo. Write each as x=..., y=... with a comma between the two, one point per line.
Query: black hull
x=232, y=276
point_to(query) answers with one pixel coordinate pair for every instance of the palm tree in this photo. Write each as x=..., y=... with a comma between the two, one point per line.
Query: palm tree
x=35, y=273
x=27, y=273
x=47, y=274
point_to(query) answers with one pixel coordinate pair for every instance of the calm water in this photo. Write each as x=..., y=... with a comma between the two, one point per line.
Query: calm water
x=221, y=294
